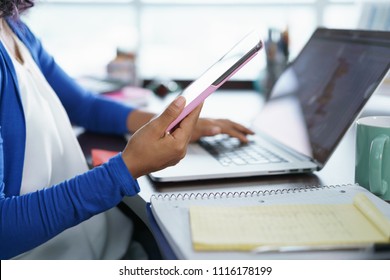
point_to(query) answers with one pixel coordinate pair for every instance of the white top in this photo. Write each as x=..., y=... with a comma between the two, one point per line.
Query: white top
x=53, y=155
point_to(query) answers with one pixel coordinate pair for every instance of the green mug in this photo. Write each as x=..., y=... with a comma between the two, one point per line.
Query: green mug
x=372, y=169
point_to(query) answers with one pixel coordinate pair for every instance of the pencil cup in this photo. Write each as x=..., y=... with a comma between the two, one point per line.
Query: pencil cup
x=372, y=169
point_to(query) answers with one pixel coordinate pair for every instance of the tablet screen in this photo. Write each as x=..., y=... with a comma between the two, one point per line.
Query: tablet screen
x=218, y=73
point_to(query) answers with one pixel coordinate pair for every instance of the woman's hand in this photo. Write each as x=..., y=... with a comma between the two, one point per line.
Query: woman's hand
x=151, y=148
x=211, y=127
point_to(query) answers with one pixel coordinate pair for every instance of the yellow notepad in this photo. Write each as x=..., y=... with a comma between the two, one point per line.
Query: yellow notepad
x=245, y=228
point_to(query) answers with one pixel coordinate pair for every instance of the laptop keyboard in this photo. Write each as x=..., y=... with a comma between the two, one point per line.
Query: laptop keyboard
x=230, y=151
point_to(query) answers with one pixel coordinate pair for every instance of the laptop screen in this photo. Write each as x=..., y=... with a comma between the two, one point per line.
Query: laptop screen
x=322, y=92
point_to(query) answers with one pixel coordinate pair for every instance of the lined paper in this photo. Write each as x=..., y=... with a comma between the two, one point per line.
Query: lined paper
x=245, y=228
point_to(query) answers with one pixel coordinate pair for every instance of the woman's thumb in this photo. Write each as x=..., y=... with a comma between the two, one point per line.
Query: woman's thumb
x=172, y=111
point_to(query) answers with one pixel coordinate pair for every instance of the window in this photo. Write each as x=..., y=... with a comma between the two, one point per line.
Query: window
x=174, y=39
x=83, y=35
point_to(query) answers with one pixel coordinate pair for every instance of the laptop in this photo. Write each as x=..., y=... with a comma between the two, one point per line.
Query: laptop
x=311, y=106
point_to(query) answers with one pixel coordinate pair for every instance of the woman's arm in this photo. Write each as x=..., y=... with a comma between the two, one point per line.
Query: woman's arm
x=29, y=220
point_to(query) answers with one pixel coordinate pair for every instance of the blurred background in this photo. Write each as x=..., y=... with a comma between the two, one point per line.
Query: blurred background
x=178, y=40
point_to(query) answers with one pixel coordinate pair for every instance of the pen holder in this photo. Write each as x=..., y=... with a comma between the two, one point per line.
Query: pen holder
x=277, y=51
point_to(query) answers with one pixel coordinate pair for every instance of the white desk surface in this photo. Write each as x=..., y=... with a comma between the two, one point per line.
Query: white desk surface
x=338, y=170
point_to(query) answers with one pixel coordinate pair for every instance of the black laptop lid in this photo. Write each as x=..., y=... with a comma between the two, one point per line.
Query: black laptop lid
x=322, y=92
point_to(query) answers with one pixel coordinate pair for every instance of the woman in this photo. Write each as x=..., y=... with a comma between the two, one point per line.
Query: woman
x=51, y=205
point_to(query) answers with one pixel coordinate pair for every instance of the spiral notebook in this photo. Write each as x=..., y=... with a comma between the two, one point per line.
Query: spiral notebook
x=234, y=225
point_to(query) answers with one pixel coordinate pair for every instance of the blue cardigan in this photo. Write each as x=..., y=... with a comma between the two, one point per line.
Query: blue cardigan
x=29, y=220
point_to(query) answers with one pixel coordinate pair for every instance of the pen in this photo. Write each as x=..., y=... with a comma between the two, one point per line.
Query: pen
x=376, y=247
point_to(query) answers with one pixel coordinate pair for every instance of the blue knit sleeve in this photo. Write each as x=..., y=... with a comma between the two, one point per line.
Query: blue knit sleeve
x=29, y=220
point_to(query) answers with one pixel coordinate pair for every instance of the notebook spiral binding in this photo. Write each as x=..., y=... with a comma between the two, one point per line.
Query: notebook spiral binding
x=242, y=194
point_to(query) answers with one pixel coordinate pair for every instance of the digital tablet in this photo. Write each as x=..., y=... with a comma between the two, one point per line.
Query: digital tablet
x=219, y=73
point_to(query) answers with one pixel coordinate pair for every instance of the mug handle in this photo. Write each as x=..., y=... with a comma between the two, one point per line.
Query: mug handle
x=377, y=185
